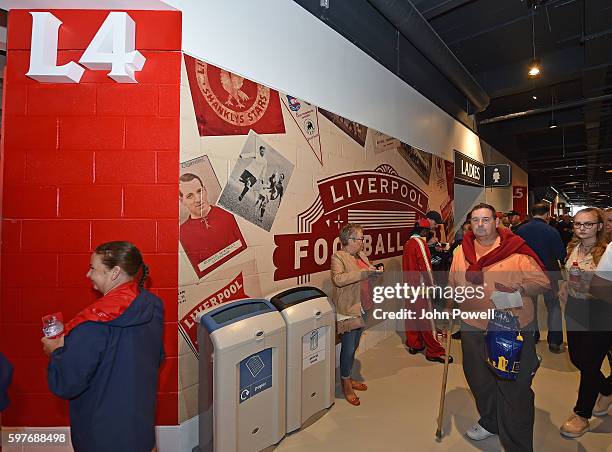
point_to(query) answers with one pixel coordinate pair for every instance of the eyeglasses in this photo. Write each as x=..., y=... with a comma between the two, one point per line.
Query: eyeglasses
x=485, y=220
x=586, y=225
x=357, y=238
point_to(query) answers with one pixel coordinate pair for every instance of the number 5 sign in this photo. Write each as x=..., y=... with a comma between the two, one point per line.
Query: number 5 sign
x=519, y=199
x=518, y=192
x=112, y=49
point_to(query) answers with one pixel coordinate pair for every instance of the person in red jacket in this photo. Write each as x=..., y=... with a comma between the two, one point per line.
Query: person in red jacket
x=416, y=265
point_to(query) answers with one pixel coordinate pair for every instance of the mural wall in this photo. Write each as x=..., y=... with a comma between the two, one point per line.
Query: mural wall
x=266, y=182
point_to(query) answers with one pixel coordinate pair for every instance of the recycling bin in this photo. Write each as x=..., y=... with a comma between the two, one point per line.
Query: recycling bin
x=311, y=356
x=242, y=368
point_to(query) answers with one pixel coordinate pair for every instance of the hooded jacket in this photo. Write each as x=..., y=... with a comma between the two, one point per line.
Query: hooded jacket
x=6, y=376
x=108, y=371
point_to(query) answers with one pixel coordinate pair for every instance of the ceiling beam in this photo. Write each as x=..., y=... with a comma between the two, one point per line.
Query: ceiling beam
x=443, y=7
x=537, y=111
x=573, y=155
x=527, y=16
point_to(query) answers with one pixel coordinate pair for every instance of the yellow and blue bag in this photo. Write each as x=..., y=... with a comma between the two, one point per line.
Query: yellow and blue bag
x=504, y=344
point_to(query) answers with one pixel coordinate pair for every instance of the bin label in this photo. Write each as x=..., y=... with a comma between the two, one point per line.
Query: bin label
x=255, y=374
x=313, y=347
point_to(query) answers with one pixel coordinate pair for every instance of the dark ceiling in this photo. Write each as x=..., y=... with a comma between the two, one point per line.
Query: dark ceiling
x=493, y=39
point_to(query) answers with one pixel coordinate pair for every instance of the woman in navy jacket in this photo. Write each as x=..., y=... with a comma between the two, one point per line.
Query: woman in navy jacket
x=107, y=360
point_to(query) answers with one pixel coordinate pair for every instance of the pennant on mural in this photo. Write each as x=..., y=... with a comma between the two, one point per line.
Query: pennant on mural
x=306, y=117
x=450, y=179
x=356, y=131
x=383, y=142
x=419, y=160
x=188, y=325
x=228, y=104
x=448, y=220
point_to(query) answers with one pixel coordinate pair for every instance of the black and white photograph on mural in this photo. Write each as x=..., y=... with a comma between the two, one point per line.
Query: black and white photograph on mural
x=257, y=183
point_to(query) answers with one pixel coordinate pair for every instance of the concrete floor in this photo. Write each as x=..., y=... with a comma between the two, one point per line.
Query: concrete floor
x=399, y=410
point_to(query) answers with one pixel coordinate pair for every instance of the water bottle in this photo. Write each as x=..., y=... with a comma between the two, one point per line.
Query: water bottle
x=53, y=325
x=574, y=276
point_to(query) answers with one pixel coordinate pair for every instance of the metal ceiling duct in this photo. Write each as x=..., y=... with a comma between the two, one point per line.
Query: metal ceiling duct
x=410, y=23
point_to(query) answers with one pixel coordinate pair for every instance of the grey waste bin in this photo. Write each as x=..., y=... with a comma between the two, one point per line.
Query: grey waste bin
x=242, y=377
x=311, y=357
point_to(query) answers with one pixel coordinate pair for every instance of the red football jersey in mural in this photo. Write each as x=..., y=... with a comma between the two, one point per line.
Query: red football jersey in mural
x=228, y=104
x=211, y=241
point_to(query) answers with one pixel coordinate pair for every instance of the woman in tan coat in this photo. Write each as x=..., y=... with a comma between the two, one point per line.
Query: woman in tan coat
x=350, y=269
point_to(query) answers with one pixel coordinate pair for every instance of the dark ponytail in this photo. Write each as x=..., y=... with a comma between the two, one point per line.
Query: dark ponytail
x=145, y=275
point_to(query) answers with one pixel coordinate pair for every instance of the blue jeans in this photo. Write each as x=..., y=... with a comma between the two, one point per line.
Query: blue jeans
x=350, y=342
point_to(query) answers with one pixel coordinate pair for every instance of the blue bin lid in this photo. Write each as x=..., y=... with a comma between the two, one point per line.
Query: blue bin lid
x=235, y=312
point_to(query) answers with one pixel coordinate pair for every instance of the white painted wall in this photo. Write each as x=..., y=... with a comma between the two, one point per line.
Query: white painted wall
x=281, y=45
x=466, y=197
x=501, y=198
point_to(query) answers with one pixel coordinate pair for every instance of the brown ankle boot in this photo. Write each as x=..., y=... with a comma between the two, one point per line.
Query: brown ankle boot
x=575, y=426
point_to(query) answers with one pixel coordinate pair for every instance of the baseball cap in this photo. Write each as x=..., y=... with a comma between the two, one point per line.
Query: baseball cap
x=423, y=223
x=435, y=216
x=513, y=212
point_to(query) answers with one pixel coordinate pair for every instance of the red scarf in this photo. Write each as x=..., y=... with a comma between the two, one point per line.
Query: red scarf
x=107, y=308
x=509, y=244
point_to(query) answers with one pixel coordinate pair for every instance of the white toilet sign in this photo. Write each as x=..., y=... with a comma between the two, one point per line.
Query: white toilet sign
x=112, y=49
x=313, y=347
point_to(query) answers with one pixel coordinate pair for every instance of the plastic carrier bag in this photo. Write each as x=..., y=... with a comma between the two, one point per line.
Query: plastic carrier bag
x=504, y=344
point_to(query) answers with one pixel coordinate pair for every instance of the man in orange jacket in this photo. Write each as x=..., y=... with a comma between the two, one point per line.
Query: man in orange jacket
x=494, y=259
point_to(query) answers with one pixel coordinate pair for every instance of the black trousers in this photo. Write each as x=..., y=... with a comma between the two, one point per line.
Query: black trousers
x=587, y=351
x=506, y=407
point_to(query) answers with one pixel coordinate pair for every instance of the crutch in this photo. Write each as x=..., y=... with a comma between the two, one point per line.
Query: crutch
x=444, y=377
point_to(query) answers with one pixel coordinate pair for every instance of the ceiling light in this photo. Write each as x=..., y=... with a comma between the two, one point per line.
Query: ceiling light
x=534, y=68
x=534, y=97
x=552, y=124
x=572, y=183
x=609, y=171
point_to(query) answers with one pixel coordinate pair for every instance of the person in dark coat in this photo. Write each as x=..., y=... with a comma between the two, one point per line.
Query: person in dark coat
x=565, y=226
x=6, y=376
x=107, y=360
x=546, y=242
x=515, y=220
